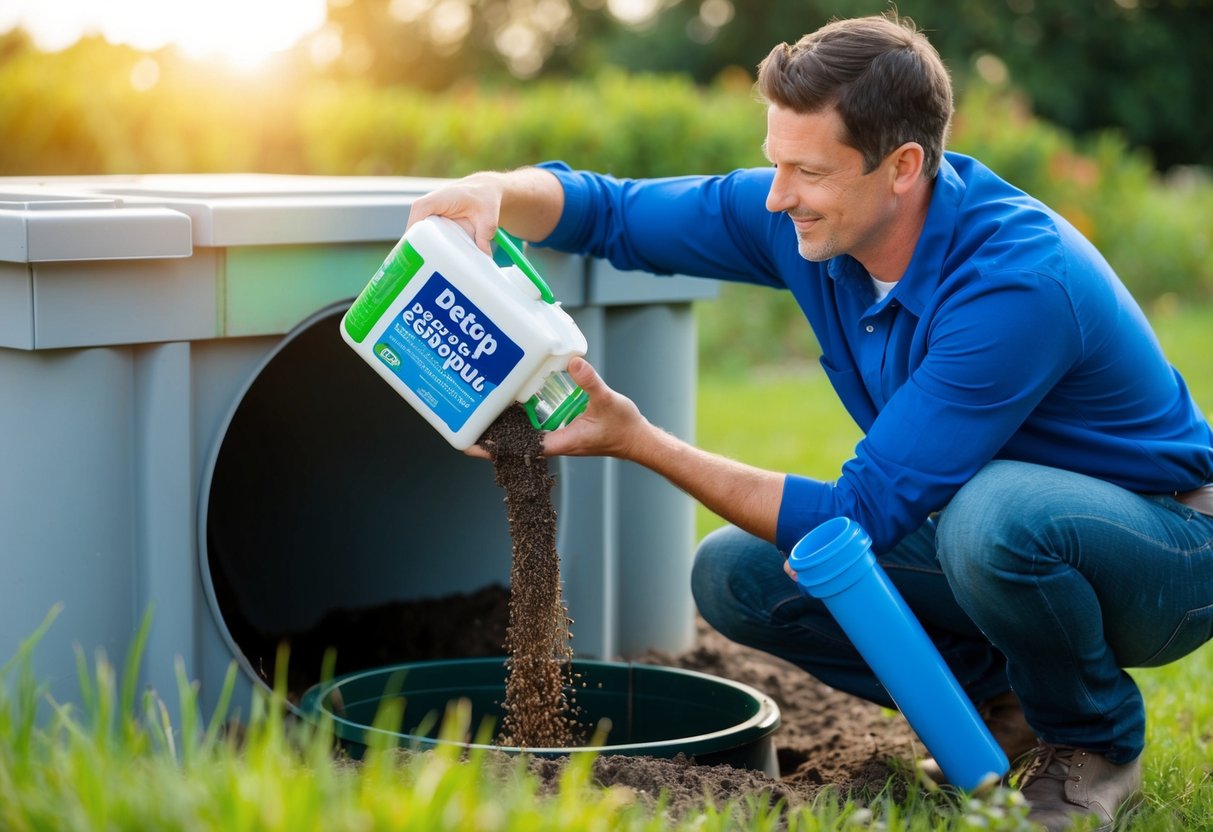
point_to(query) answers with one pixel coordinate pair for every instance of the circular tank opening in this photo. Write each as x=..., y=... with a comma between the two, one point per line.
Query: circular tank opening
x=648, y=710
x=334, y=516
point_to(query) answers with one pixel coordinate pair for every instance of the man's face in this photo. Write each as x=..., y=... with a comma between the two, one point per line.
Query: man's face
x=819, y=183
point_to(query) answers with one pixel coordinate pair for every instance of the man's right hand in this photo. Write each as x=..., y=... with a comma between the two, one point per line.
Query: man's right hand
x=527, y=202
x=474, y=202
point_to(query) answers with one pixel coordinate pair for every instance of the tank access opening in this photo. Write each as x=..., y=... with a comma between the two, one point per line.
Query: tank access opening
x=334, y=516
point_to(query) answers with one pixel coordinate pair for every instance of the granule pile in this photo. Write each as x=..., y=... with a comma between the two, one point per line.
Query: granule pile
x=538, y=708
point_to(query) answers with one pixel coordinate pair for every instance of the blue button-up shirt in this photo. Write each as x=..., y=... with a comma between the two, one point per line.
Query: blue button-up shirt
x=1008, y=337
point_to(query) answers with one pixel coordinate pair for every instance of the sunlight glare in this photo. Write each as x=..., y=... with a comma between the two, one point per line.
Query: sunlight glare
x=145, y=74
x=244, y=32
x=634, y=12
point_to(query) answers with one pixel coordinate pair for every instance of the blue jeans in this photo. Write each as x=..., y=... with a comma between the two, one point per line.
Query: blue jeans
x=1034, y=579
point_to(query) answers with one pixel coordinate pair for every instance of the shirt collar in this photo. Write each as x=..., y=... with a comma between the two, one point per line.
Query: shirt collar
x=925, y=270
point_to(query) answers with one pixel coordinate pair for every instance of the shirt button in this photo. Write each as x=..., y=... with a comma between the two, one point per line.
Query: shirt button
x=870, y=328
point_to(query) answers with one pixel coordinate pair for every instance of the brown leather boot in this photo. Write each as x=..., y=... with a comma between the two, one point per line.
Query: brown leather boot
x=1004, y=717
x=1061, y=782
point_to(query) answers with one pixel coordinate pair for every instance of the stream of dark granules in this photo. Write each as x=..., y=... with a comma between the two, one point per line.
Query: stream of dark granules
x=538, y=709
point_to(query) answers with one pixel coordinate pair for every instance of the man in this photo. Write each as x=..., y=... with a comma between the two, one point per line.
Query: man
x=1032, y=467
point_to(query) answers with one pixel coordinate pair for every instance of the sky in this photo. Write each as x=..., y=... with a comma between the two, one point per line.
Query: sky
x=245, y=32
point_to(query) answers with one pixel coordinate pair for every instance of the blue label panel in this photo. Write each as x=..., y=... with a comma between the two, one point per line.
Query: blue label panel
x=447, y=351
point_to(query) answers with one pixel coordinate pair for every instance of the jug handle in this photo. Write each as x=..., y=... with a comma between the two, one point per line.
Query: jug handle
x=511, y=248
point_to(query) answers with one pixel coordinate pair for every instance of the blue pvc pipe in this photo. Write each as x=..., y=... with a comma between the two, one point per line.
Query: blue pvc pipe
x=834, y=563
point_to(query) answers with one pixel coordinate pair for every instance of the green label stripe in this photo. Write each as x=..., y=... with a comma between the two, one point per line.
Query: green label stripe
x=385, y=286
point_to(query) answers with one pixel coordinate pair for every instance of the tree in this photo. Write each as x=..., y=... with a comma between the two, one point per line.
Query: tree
x=1138, y=66
x=432, y=44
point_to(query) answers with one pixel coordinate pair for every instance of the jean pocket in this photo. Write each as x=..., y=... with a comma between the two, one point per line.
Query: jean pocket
x=1194, y=629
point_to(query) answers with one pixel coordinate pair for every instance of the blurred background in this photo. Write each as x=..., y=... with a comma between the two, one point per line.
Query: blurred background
x=1099, y=107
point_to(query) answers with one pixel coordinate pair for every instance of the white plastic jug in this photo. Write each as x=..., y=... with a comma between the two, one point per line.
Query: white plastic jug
x=461, y=338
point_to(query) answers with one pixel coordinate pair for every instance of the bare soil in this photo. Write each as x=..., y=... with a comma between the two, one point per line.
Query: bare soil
x=826, y=738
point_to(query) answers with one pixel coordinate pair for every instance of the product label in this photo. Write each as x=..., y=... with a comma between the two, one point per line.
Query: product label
x=447, y=351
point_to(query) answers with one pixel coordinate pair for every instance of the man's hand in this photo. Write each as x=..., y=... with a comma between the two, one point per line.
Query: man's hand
x=613, y=426
x=610, y=426
x=474, y=202
x=527, y=202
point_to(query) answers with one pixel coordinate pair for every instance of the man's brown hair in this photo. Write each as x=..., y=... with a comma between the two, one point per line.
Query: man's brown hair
x=883, y=76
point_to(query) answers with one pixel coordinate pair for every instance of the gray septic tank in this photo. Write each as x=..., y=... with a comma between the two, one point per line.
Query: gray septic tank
x=182, y=429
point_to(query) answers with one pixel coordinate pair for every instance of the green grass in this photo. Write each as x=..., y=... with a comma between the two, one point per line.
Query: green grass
x=113, y=762
x=1186, y=334
x=1178, y=761
x=783, y=419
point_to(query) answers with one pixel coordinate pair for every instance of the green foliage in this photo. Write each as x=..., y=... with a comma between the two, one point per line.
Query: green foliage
x=1157, y=233
x=632, y=126
x=79, y=112
x=1138, y=66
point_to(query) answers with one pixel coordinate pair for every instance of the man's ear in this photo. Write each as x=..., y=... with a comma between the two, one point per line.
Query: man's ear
x=906, y=166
